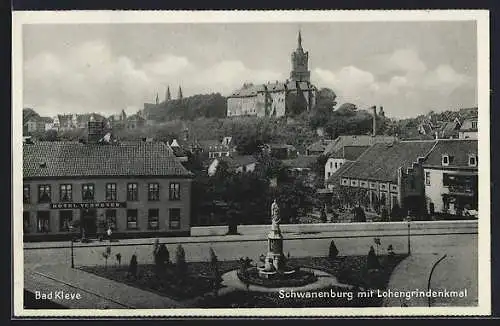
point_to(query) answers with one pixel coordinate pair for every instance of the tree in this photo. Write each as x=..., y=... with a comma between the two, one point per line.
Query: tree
x=347, y=109
x=119, y=258
x=214, y=266
x=294, y=198
x=106, y=255
x=333, y=251
x=180, y=260
x=359, y=214
x=396, y=213
x=323, y=109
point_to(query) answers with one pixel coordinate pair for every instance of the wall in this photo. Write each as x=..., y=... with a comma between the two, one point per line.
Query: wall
x=142, y=205
x=435, y=189
x=330, y=166
x=440, y=227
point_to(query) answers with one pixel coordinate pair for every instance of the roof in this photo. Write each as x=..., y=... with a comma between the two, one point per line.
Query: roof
x=350, y=153
x=238, y=160
x=278, y=86
x=467, y=125
x=356, y=140
x=301, y=161
x=381, y=161
x=458, y=149
x=210, y=144
x=320, y=145
x=74, y=159
x=449, y=129
x=334, y=179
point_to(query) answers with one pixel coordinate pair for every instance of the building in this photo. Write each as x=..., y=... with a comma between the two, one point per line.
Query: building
x=276, y=99
x=386, y=175
x=302, y=166
x=135, y=188
x=468, y=129
x=214, y=148
x=451, y=177
x=135, y=121
x=318, y=147
x=337, y=159
x=281, y=151
x=357, y=140
x=235, y=163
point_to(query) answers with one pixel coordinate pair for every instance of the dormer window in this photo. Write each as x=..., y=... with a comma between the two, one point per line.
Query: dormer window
x=445, y=159
x=472, y=160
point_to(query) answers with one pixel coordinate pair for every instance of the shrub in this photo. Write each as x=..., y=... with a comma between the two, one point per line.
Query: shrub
x=180, y=260
x=333, y=251
x=359, y=214
x=323, y=216
x=162, y=256
x=214, y=266
x=119, y=258
x=132, y=268
x=156, y=246
x=384, y=215
x=396, y=213
x=372, y=260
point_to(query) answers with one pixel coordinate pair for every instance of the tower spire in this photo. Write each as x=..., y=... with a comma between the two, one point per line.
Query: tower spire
x=180, y=93
x=157, y=99
x=168, y=97
x=299, y=40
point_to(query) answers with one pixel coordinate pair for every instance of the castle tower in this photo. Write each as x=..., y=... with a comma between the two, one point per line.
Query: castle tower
x=300, y=64
x=168, y=97
x=179, y=96
x=157, y=99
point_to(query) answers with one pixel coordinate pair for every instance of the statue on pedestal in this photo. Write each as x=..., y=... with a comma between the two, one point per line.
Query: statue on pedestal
x=275, y=214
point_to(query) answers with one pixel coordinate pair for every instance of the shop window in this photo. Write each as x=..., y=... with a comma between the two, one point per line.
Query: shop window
x=43, y=221
x=65, y=219
x=26, y=222
x=153, y=192
x=88, y=191
x=44, y=194
x=111, y=191
x=132, y=192
x=26, y=194
x=132, y=219
x=175, y=218
x=66, y=192
x=153, y=219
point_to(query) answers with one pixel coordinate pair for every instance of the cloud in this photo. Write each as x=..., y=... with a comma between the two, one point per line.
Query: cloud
x=91, y=78
x=403, y=84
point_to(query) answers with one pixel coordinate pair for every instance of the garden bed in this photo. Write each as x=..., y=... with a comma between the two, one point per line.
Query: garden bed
x=197, y=282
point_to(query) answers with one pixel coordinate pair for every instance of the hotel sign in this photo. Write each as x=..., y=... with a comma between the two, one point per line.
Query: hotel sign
x=88, y=205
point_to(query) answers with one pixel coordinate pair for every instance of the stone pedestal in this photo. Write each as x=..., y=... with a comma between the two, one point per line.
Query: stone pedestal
x=275, y=256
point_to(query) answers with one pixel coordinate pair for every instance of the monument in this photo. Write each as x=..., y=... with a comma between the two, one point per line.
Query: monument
x=275, y=261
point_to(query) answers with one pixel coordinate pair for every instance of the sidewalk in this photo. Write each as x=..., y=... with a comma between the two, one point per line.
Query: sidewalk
x=247, y=237
x=95, y=292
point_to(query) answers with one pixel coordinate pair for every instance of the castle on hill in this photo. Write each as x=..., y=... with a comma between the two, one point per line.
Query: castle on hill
x=277, y=99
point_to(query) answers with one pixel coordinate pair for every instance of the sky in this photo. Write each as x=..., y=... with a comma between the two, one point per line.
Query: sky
x=409, y=68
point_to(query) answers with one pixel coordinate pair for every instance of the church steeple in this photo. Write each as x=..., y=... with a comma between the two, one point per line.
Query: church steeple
x=157, y=99
x=300, y=70
x=168, y=97
x=179, y=97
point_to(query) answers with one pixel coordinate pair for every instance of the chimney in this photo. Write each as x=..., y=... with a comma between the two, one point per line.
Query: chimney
x=374, y=133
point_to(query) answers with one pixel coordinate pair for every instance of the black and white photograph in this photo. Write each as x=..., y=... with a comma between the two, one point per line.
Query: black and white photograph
x=247, y=163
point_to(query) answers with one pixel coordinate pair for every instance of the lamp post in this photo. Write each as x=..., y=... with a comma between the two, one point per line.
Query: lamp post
x=72, y=254
x=408, y=219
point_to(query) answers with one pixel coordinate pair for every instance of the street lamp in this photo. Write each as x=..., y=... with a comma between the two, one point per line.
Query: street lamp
x=72, y=254
x=408, y=219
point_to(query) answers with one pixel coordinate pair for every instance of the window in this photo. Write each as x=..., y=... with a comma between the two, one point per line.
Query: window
x=336, y=164
x=383, y=198
x=175, y=191
x=111, y=218
x=26, y=222
x=153, y=192
x=153, y=215
x=329, y=174
x=427, y=178
x=445, y=160
x=88, y=191
x=132, y=192
x=472, y=160
x=175, y=218
x=132, y=219
x=412, y=183
x=474, y=124
x=44, y=194
x=43, y=221
x=110, y=191
x=331, y=165
x=26, y=194
x=65, y=219
x=65, y=192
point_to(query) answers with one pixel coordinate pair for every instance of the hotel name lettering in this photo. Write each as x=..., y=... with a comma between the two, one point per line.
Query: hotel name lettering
x=88, y=205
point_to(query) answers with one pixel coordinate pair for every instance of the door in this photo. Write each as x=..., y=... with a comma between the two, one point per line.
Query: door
x=89, y=222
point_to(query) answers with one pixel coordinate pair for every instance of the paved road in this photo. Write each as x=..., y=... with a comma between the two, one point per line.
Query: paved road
x=307, y=245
